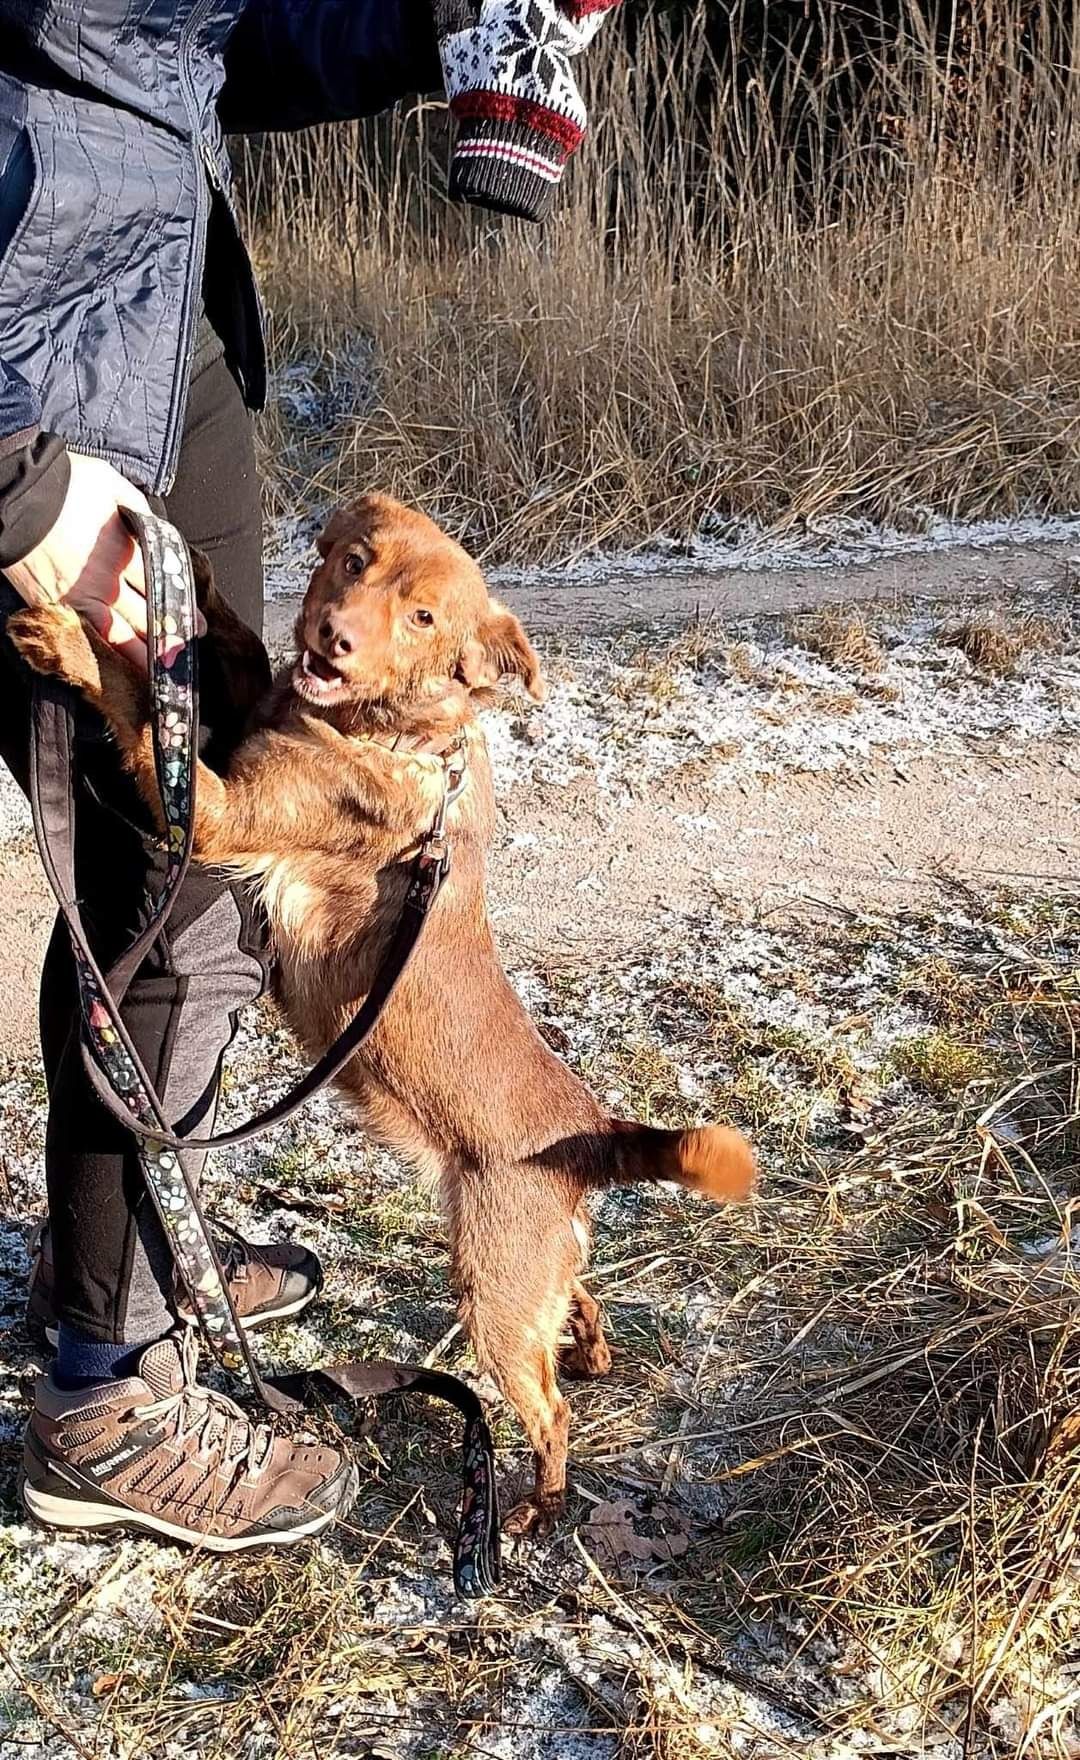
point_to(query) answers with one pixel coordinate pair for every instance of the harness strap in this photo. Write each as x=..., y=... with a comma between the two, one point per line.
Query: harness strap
x=122, y=1083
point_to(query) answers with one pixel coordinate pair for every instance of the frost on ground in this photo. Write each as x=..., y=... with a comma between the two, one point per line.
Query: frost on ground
x=765, y=696
x=835, y=1454
x=817, y=694
x=821, y=1422
x=834, y=541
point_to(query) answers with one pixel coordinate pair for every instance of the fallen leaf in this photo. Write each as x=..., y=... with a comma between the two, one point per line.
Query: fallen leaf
x=613, y=1533
x=106, y=1683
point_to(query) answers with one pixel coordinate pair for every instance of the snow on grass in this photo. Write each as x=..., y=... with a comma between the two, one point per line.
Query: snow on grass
x=15, y=822
x=749, y=701
x=713, y=1016
x=833, y=542
x=753, y=701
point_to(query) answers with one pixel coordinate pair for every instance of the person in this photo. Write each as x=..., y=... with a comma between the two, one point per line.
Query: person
x=131, y=358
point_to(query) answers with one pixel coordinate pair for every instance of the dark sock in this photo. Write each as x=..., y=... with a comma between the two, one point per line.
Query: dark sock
x=82, y=1361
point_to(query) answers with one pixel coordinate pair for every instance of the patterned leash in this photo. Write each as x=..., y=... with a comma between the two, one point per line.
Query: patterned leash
x=122, y=1082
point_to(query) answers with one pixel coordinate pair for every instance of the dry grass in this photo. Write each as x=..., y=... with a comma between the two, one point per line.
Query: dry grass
x=926, y=1491
x=997, y=644
x=940, y=1065
x=843, y=638
x=867, y=1419
x=884, y=322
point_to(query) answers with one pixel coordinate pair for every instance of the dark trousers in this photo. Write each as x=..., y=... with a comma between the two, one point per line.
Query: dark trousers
x=113, y=1271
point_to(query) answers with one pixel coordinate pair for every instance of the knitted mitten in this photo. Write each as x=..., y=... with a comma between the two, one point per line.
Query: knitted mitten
x=506, y=67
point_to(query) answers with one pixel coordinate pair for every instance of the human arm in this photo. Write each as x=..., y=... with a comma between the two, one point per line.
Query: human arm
x=34, y=470
x=288, y=791
x=290, y=65
x=505, y=66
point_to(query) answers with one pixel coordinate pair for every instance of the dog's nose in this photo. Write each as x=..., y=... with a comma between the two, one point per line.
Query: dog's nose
x=335, y=642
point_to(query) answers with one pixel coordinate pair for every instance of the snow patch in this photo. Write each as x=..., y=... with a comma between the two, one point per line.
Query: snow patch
x=833, y=542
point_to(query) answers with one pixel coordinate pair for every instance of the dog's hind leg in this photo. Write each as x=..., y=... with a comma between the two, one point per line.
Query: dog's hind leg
x=589, y=1354
x=514, y=1262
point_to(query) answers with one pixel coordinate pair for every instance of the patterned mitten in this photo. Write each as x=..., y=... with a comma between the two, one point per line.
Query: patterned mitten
x=506, y=66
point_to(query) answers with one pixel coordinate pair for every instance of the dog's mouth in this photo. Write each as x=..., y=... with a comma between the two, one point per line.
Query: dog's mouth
x=317, y=679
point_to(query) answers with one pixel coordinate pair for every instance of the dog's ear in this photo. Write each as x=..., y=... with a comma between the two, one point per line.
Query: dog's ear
x=340, y=525
x=499, y=648
x=354, y=523
x=235, y=661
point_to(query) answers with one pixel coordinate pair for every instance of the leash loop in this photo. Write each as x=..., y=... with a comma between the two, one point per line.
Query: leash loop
x=117, y=1072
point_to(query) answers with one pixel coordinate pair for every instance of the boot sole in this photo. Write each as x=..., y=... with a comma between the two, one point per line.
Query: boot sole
x=73, y=1514
x=43, y=1334
x=268, y=1317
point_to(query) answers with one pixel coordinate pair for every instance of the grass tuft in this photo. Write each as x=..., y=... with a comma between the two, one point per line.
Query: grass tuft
x=843, y=638
x=940, y=1065
x=997, y=645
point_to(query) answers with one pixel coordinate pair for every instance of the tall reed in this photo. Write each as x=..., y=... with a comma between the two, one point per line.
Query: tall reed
x=778, y=287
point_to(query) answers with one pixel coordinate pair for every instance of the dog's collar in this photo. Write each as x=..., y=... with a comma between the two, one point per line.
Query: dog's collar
x=455, y=776
x=456, y=743
x=457, y=746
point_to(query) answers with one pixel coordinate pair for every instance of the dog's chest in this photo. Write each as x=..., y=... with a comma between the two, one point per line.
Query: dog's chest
x=318, y=905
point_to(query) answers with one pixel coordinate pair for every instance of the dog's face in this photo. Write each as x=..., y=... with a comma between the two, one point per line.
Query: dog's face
x=394, y=606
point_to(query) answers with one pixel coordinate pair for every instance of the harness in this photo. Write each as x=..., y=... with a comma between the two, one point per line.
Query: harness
x=126, y=1090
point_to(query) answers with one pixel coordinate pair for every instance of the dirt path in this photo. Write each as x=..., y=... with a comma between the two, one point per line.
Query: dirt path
x=681, y=828
x=572, y=606
x=581, y=880
x=26, y=914
x=595, y=873
x=576, y=868
x=584, y=880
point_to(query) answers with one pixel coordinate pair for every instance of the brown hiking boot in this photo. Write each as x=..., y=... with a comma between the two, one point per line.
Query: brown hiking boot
x=267, y=1283
x=158, y=1453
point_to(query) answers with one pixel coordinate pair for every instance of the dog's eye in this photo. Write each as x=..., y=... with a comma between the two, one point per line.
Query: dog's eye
x=355, y=563
x=423, y=618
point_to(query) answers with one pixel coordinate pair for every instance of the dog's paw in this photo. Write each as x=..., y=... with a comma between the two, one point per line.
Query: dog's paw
x=534, y=1518
x=584, y=1362
x=52, y=640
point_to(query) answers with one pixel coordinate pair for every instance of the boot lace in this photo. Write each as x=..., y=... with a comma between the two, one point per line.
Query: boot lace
x=216, y=1422
x=236, y=1253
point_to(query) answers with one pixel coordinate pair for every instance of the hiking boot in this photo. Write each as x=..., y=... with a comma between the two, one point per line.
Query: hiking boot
x=271, y=1282
x=158, y=1453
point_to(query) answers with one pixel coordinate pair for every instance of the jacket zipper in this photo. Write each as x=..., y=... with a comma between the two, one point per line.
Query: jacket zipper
x=193, y=291
x=212, y=175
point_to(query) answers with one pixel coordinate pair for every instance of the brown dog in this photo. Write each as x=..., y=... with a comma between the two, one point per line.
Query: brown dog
x=324, y=803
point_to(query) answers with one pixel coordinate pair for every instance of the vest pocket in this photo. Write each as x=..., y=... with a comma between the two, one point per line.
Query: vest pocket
x=19, y=184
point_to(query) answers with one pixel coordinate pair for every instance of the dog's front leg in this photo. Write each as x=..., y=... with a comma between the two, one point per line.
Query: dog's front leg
x=400, y=791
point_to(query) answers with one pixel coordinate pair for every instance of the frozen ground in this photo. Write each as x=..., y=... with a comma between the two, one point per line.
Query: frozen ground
x=772, y=868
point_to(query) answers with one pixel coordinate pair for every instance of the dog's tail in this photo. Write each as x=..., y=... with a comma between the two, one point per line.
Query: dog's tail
x=714, y=1159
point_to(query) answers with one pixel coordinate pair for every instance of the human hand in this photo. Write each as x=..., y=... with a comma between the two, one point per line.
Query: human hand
x=90, y=561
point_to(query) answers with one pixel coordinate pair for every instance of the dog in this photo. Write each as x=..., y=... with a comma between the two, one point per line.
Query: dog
x=323, y=805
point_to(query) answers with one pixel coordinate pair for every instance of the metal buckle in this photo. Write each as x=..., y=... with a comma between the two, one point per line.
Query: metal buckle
x=454, y=780
x=435, y=850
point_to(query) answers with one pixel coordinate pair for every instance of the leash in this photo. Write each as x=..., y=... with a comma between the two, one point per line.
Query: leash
x=121, y=1081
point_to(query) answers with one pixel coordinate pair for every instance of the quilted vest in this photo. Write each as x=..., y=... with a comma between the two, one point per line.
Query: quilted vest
x=111, y=164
